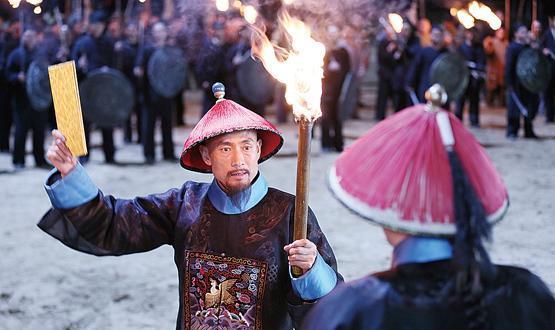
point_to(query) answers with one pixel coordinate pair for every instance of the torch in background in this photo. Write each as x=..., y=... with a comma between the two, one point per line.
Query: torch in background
x=300, y=68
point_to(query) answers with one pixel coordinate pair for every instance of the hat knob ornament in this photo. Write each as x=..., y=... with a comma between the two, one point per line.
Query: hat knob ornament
x=219, y=91
x=435, y=96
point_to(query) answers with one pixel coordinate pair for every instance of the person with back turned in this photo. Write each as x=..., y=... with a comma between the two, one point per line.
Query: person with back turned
x=436, y=201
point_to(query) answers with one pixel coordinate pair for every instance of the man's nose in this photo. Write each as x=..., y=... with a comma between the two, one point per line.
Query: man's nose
x=237, y=158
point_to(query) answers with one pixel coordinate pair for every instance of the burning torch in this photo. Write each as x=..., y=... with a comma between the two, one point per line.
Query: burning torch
x=300, y=68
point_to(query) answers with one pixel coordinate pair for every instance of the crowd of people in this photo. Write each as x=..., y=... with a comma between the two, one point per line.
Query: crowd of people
x=405, y=62
x=216, y=44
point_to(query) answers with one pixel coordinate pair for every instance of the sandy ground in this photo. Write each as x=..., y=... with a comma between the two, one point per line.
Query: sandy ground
x=45, y=285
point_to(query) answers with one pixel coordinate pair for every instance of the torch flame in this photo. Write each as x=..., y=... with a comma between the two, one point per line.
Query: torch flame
x=484, y=13
x=396, y=22
x=465, y=18
x=299, y=68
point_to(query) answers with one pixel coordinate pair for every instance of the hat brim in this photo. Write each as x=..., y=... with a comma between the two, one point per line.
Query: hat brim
x=390, y=219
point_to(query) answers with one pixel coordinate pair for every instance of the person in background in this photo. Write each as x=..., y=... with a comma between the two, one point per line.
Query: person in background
x=336, y=66
x=548, y=49
x=389, y=83
x=473, y=52
x=24, y=116
x=495, y=48
x=418, y=77
x=91, y=51
x=156, y=105
x=520, y=101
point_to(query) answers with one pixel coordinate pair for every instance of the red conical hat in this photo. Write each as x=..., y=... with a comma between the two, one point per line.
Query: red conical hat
x=398, y=174
x=227, y=116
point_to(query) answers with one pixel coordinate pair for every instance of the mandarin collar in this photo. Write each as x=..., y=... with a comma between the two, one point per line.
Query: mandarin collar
x=418, y=249
x=223, y=203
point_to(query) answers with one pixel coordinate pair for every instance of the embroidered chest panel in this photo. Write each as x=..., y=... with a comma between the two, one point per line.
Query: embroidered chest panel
x=223, y=292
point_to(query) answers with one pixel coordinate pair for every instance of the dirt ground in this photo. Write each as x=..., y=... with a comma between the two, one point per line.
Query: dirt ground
x=45, y=285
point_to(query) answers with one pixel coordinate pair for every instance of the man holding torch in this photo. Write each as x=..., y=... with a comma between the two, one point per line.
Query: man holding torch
x=233, y=238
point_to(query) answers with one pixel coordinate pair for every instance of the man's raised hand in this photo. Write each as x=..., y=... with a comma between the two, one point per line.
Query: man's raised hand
x=59, y=154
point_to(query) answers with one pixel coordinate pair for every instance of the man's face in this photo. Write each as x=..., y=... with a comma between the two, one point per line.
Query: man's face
x=536, y=28
x=159, y=33
x=521, y=34
x=437, y=37
x=97, y=29
x=29, y=39
x=131, y=33
x=233, y=158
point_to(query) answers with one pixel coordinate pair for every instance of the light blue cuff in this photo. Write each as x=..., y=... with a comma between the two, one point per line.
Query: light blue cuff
x=73, y=190
x=316, y=283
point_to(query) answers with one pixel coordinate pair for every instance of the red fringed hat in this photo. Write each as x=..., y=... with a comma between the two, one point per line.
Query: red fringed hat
x=399, y=174
x=227, y=116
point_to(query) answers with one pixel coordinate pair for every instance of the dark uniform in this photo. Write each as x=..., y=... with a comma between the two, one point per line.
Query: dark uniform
x=156, y=106
x=389, y=86
x=410, y=49
x=244, y=248
x=418, y=76
x=417, y=296
x=239, y=49
x=98, y=52
x=209, y=70
x=476, y=57
x=548, y=42
x=7, y=44
x=25, y=118
x=125, y=61
x=5, y=107
x=180, y=39
x=336, y=66
x=515, y=89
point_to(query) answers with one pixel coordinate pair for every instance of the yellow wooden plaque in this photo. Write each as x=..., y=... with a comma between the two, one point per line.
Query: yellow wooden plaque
x=67, y=105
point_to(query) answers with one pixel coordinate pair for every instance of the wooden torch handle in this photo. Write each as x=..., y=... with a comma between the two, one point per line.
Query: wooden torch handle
x=303, y=176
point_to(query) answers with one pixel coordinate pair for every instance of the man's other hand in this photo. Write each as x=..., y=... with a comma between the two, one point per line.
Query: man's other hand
x=302, y=253
x=59, y=154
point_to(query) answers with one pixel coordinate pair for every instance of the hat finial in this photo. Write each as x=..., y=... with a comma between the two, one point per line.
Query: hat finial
x=219, y=91
x=436, y=97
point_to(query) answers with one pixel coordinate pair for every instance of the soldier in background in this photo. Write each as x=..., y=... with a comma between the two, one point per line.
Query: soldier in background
x=535, y=35
x=178, y=37
x=548, y=48
x=127, y=49
x=237, y=51
x=410, y=45
x=156, y=106
x=418, y=77
x=471, y=49
x=5, y=107
x=92, y=51
x=25, y=118
x=210, y=64
x=336, y=66
x=11, y=41
x=495, y=48
x=520, y=101
x=389, y=60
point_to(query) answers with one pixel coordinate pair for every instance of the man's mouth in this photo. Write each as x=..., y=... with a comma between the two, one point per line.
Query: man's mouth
x=238, y=173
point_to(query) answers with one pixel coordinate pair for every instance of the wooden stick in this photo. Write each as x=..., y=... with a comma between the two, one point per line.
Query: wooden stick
x=303, y=176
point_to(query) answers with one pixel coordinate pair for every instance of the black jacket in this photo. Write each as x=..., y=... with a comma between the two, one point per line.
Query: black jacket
x=419, y=296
